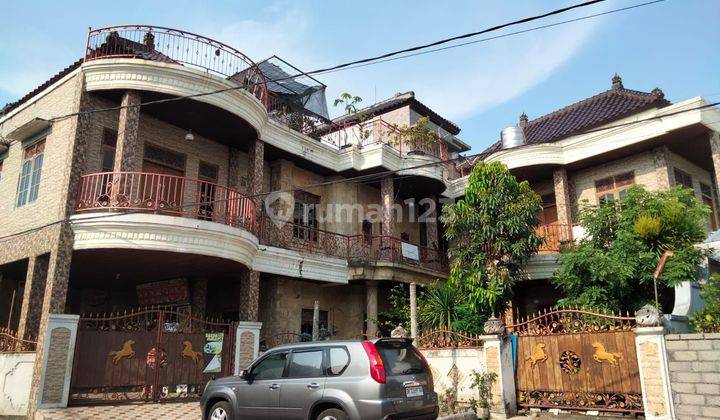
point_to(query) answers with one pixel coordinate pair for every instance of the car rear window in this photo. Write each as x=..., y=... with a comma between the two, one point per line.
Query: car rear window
x=399, y=358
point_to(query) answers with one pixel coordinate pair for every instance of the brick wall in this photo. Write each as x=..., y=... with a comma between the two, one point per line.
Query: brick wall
x=694, y=364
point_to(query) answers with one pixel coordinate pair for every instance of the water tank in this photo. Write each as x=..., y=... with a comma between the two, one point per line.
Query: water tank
x=512, y=137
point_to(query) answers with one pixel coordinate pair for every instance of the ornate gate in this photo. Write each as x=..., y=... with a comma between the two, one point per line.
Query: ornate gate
x=577, y=360
x=150, y=354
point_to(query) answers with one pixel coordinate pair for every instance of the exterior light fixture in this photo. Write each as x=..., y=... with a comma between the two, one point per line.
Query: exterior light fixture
x=189, y=136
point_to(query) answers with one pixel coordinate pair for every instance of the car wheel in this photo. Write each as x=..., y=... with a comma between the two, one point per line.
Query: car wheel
x=332, y=414
x=221, y=411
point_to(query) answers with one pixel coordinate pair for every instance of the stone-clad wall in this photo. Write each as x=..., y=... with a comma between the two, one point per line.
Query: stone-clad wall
x=694, y=364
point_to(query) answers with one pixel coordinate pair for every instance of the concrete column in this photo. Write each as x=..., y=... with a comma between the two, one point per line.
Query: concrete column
x=431, y=228
x=714, y=138
x=128, y=151
x=371, y=308
x=198, y=295
x=32, y=300
x=497, y=355
x=413, y=313
x=653, y=364
x=662, y=168
x=234, y=173
x=316, y=321
x=247, y=344
x=56, y=367
x=387, y=200
x=249, y=295
x=563, y=203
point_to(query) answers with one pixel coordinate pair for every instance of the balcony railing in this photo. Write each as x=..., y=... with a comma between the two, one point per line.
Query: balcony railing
x=168, y=45
x=554, y=236
x=357, y=249
x=165, y=194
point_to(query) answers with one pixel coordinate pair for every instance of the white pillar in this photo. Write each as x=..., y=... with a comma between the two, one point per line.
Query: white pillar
x=413, y=313
x=654, y=374
x=57, y=361
x=247, y=344
x=371, y=308
x=316, y=321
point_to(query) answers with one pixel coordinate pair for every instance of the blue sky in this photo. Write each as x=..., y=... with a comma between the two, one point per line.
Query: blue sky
x=483, y=88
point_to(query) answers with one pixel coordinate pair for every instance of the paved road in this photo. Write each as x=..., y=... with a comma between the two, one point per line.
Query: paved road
x=149, y=411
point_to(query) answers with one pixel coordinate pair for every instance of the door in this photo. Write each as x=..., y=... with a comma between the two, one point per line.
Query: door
x=304, y=384
x=258, y=396
x=164, y=186
x=207, y=189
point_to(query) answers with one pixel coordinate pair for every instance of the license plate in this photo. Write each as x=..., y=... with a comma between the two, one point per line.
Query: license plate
x=414, y=391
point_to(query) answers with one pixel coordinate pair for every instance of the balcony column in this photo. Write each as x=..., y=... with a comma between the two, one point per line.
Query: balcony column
x=248, y=329
x=413, y=313
x=371, y=308
x=387, y=217
x=714, y=138
x=32, y=300
x=563, y=203
x=662, y=167
x=128, y=151
x=431, y=228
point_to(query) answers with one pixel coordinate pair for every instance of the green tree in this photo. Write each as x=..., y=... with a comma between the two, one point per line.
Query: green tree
x=708, y=320
x=348, y=101
x=491, y=232
x=612, y=266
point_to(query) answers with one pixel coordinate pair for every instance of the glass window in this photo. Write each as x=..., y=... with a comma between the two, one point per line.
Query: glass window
x=613, y=187
x=306, y=321
x=399, y=358
x=306, y=364
x=30, y=174
x=269, y=368
x=305, y=216
x=109, y=142
x=338, y=360
x=683, y=178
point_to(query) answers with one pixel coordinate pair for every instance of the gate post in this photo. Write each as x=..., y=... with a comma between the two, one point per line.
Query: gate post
x=247, y=344
x=497, y=354
x=652, y=364
x=57, y=360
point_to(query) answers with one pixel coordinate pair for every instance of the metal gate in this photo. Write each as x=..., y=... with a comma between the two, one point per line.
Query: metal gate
x=148, y=355
x=577, y=360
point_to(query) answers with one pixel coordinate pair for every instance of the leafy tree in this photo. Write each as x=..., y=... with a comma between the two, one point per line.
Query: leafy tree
x=348, y=101
x=612, y=266
x=491, y=232
x=708, y=320
x=399, y=310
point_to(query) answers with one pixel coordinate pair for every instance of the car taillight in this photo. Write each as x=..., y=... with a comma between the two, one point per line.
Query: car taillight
x=377, y=370
x=431, y=384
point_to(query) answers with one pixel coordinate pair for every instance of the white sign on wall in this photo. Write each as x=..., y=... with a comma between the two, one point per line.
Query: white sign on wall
x=410, y=251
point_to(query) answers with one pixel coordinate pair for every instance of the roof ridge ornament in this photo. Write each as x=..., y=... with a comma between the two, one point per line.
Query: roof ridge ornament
x=617, y=82
x=523, y=119
x=658, y=93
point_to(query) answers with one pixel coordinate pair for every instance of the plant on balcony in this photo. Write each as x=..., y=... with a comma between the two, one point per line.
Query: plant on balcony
x=418, y=137
x=612, y=267
x=492, y=234
x=349, y=102
x=708, y=320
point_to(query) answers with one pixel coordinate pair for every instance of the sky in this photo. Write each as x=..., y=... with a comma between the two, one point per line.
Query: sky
x=482, y=87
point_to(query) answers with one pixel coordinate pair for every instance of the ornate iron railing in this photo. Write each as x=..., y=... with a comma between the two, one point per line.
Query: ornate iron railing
x=571, y=321
x=11, y=343
x=169, y=45
x=439, y=339
x=303, y=238
x=165, y=194
x=554, y=236
x=372, y=249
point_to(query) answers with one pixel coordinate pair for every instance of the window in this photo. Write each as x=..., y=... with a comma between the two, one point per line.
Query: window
x=305, y=216
x=29, y=183
x=614, y=187
x=109, y=142
x=306, y=364
x=338, y=360
x=399, y=358
x=683, y=178
x=270, y=368
x=306, y=321
x=367, y=231
x=707, y=198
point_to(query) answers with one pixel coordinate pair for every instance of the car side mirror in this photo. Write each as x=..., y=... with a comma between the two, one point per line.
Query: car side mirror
x=245, y=374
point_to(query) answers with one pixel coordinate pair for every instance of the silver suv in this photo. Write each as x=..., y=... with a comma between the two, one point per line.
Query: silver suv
x=386, y=378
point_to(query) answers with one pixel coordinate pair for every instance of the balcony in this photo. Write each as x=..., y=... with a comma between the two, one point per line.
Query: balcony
x=554, y=236
x=169, y=195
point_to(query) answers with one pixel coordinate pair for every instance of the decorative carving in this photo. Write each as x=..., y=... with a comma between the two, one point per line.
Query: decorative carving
x=188, y=352
x=538, y=355
x=648, y=316
x=447, y=338
x=494, y=326
x=628, y=402
x=571, y=321
x=126, y=351
x=601, y=355
x=570, y=362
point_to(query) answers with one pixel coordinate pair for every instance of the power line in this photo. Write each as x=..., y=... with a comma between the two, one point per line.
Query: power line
x=363, y=62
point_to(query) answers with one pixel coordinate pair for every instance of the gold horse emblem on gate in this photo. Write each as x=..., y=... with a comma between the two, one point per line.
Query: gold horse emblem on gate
x=126, y=351
x=538, y=355
x=189, y=352
x=601, y=355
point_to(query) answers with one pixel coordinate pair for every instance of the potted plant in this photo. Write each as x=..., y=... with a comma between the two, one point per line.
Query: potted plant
x=483, y=383
x=419, y=137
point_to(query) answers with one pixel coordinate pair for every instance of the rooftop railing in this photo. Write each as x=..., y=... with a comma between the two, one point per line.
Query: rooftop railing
x=169, y=45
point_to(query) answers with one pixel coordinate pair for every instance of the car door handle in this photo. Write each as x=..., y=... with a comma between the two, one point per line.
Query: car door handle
x=274, y=386
x=313, y=385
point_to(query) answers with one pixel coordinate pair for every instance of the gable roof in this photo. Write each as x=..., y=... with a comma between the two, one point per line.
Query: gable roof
x=398, y=101
x=610, y=105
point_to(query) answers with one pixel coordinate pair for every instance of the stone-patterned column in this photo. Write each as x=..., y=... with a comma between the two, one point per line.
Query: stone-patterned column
x=256, y=156
x=413, y=313
x=234, y=166
x=714, y=138
x=653, y=365
x=563, y=202
x=199, y=296
x=497, y=352
x=662, y=167
x=249, y=295
x=32, y=300
x=128, y=151
x=371, y=308
x=316, y=321
x=58, y=351
x=431, y=227
x=387, y=200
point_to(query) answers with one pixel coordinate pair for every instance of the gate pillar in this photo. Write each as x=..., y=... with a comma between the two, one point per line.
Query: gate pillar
x=57, y=360
x=653, y=364
x=497, y=354
x=247, y=344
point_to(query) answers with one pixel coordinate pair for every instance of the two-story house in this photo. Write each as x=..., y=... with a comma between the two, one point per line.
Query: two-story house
x=593, y=150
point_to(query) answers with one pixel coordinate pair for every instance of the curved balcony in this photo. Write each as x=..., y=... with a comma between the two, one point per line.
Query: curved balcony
x=140, y=192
